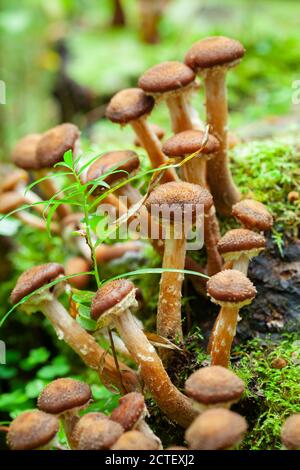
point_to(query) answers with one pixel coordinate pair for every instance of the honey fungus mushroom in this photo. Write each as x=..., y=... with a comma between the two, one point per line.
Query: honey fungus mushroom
x=94, y=432
x=134, y=440
x=253, y=215
x=290, y=433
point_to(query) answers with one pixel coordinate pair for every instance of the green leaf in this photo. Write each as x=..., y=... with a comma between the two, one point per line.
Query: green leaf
x=86, y=323
x=34, y=388
x=36, y=357
x=68, y=158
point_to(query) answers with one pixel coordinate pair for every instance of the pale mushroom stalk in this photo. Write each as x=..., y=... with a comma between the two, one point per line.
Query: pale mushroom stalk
x=211, y=238
x=223, y=335
x=179, y=112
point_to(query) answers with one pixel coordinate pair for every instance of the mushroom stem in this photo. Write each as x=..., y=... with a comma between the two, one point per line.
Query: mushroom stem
x=36, y=222
x=222, y=336
x=173, y=403
x=211, y=238
x=241, y=264
x=194, y=171
x=85, y=345
x=69, y=420
x=219, y=177
x=179, y=112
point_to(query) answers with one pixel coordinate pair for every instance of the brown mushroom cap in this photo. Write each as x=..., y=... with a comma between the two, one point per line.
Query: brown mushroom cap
x=216, y=429
x=130, y=409
x=31, y=430
x=252, y=214
x=187, y=142
x=157, y=130
x=64, y=394
x=167, y=76
x=11, y=180
x=134, y=440
x=214, y=384
x=119, y=161
x=241, y=240
x=76, y=265
x=34, y=278
x=10, y=201
x=230, y=286
x=290, y=432
x=176, y=448
x=86, y=421
x=55, y=142
x=97, y=434
x=214, y=51
x=110, y=295
x=181, y=196
x=128, y=105
x=24, y=153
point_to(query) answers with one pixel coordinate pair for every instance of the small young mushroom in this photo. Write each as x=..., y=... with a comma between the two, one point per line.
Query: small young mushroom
x=112, y=304
x=132, y=106
x=96, y=433
x=134, y=440
x=32, y=430
x=24, y=152
x=239, y=246
x=290, y=433
x=214, y=387
x=158, y=131
x=212, y=57
x=66, y=327
x=230, y=289
x=76, y=265
x=172, y=81
x=253, y=215
x=171, y=201
x=83, y=423
x=216, y=429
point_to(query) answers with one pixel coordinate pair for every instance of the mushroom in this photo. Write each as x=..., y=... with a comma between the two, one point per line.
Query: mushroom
x=76, y=265
x=83, y=423
x=214, y=387
x=65, y=398
x=290, y=433
x=134, y=440
x=216, y=429
x=32, y=430
x=66, y=327
x=173, y=81
x=176, y=448
x=132, y=106
x=94, y=432
x=173, y=201
x=150, y=14
x=239, y=246
x=230, y=289
x=107, y=253
x=112, y=304
x=212, y=57
x=158, y=131
x=253, y=215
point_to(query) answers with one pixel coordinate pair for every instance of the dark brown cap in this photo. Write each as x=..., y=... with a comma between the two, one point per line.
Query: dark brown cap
x=110, y=295
x=64, y=394
x=10, y=201
x=34, y=278
x=157, y=130
x=131, y=408
x=167, y=76
x=55, y=143
x=290, y=432
x=76, y=265
x=24, y=153
x=86, y=421
x=253, y=215
x=135, y=440
x=181, y=196
x=214, y=384
x=241, y=240
x=118, y=161
x=32, y=430
x=230, y=286
x=187, y=142
x=128, y=105
x=97, y=434
x=11, y=180
x=214, y=51
x=216, y=429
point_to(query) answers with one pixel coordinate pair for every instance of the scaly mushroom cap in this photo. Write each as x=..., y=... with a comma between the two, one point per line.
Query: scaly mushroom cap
x=97, y=434
x=34, y=278
x=119, y=161
x=230, y=287
x=32, y=430
x=129, y=105
x=216, y=429
x=187, y=142
x=24, y=153
x=214, y=384
x=167, y=76
x=11, y=180
x=10, y=201
x=214, y=51
x=131, y=408
x=157, y=130
x=113, y=296
x=64, y=394
x=86, y=421
x=290, y=432
x=76, y=265
x=238, y=241
x=181, y=197
x=134, y=440
x=253, y=215
x=55, y=143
